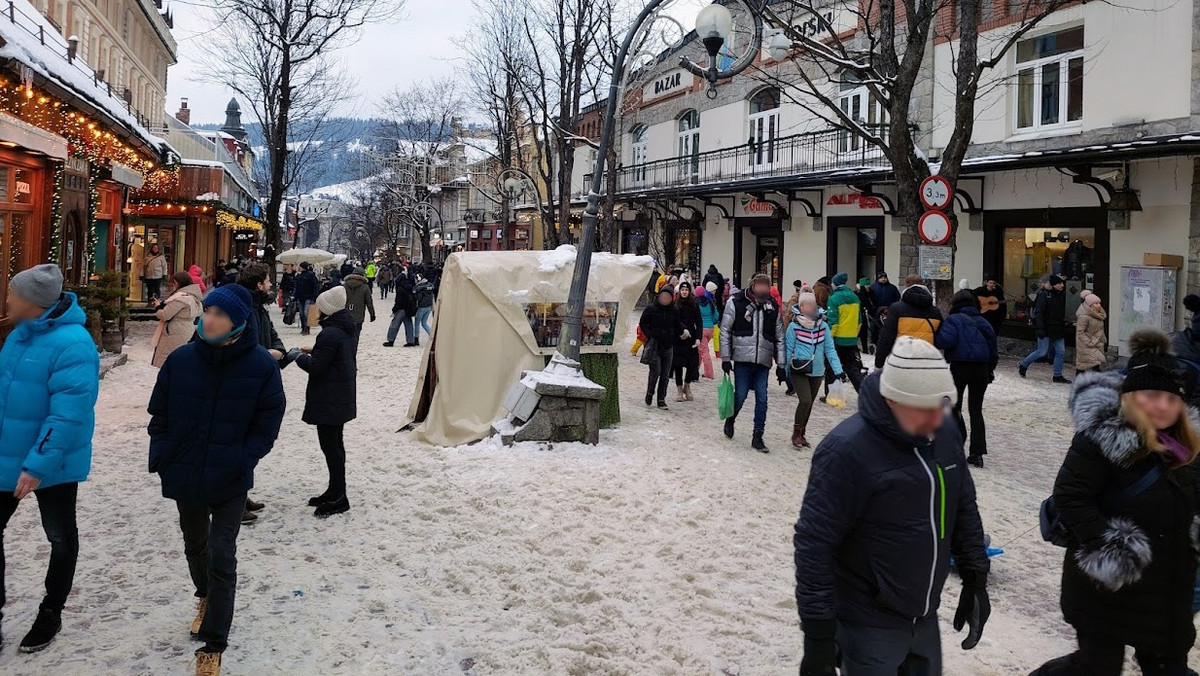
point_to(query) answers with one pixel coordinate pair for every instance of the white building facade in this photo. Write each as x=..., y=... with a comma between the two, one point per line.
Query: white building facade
x=1098, y=103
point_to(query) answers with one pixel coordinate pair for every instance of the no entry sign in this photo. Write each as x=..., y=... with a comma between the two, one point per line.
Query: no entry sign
x=935, y=193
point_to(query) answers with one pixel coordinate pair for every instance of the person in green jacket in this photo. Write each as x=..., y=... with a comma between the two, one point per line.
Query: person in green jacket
x=845, y=320
x=371, y=271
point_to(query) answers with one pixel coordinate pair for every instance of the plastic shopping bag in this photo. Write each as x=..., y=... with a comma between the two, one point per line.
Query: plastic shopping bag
x=725, y=398
x=716, y=341
x=837, y=395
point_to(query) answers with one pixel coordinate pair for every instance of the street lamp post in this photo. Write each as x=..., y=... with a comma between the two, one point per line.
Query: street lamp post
x=713, y=25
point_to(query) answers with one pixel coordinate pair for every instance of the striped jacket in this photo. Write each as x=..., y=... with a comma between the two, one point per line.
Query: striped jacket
x=814, y=344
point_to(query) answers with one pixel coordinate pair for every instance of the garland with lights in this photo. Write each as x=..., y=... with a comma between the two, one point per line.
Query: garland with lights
x=56, y=211
x=89, y=253
x=232, y=221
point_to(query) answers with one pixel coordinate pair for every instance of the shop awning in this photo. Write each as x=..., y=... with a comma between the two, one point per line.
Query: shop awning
x=17, y=132
x=126, y=175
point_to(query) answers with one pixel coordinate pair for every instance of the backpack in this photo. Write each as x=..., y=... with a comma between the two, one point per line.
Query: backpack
x=1053, y=530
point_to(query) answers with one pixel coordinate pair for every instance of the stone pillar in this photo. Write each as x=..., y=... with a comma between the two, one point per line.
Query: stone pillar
x=1193, y=263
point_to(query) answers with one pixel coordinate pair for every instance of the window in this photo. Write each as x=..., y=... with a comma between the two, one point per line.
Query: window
x=474, y=234
x=641, y=152
x=764, y=127
x=857, y=103
x=1050, y=80
x=689, y=144
x=487, y=234
x=1032, y=253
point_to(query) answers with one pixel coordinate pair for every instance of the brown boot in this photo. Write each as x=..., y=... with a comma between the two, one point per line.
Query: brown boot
x=679, y=396
x=798, y=436
x=201, y=608
x=687, y=392
x=208, y=664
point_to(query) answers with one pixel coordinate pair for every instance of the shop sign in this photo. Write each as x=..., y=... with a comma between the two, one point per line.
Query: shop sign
x=23, y=188
x=935, y=262
x=815, y=25
x=748, y=205
x=852, y=199
x=244, y=235
x=670, y=82
x=77, y=165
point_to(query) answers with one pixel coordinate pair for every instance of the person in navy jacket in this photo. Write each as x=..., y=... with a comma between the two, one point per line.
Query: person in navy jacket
x=970, y=346
x=49, y=380
x=215, y=412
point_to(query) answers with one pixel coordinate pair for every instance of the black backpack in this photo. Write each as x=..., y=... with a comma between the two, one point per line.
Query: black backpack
x=1053, y=530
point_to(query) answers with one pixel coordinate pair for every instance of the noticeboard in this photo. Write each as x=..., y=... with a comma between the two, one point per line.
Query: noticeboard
x=935, y=262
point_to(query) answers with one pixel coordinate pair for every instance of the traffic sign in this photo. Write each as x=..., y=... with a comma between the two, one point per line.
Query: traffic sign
x=935, y=193
x=934, y=228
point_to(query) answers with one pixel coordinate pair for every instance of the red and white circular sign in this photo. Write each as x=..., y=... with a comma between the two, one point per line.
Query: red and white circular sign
x=935, y=193
x=934, y=228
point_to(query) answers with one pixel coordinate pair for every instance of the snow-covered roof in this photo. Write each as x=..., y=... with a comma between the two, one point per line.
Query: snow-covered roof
x=481, y=149
x=49, y=60
x=344, y=192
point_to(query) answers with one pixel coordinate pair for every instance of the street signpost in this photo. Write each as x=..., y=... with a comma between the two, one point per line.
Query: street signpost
x=935, y=193
x=934, y=228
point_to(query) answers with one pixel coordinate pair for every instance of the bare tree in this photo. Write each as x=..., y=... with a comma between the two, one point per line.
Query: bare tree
x=887, y=54
x=276, y=54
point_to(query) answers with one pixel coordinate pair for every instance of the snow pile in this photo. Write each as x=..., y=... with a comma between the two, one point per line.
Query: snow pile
x=553, y=261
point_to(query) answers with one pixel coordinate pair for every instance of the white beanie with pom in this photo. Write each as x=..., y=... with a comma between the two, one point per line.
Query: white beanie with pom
x=916, y=375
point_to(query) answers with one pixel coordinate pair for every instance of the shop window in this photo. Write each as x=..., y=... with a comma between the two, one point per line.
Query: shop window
x=641, y=152
x=1050, y=81
x=689, y=143
x=685, y=252
x=764, y=127
x=1033, y=253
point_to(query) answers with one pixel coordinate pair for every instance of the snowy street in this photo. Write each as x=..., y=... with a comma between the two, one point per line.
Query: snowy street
x=665, y=550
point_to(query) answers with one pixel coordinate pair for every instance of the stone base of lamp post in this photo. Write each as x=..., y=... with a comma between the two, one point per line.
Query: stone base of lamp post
x=555, y=404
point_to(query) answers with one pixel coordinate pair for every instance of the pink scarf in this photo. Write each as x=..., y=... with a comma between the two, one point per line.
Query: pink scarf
x=1180, y=454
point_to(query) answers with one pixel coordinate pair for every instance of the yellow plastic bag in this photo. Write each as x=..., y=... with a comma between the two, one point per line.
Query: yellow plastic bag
x=837, y=395
x=716, y=341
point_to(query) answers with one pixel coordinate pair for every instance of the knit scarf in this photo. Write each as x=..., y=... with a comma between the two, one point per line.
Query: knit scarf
x=1180, y=454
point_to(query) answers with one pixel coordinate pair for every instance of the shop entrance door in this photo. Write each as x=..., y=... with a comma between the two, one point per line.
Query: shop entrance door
x=769, y=256
x=855, y=246
x=170, y=239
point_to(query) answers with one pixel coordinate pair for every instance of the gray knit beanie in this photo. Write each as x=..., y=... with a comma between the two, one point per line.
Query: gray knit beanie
x=41, y=285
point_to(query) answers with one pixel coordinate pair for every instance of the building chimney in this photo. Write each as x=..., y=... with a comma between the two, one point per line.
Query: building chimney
x=185, y=114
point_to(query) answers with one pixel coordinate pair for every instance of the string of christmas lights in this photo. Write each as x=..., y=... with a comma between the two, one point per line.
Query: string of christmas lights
x=56, y=211
x=89, y=253
x=232, y=221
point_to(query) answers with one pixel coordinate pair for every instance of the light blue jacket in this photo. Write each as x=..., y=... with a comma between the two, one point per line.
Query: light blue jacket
x=803, y=344
x=49, y=381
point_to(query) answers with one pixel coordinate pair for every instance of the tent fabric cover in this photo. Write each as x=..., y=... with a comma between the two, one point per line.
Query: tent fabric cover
x=482, y=340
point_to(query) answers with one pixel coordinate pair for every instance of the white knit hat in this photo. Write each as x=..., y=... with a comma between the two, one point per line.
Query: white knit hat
x=916, y=375
x=332, y=300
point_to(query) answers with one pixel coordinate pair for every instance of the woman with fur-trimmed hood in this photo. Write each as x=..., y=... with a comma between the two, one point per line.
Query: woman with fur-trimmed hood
x=1129, y=572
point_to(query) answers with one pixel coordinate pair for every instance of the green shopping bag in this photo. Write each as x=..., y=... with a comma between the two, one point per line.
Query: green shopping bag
x=725, y=398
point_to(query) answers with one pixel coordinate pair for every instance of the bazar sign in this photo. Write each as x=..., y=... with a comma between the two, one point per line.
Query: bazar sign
x=853, y=199
x=670, y=82
x=752, y=206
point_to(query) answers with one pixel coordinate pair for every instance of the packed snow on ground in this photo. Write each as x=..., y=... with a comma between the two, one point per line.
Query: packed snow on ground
x=664, y=550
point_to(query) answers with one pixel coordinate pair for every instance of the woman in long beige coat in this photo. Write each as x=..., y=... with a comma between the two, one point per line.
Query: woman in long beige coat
x=177, y=317
x=1090, y=339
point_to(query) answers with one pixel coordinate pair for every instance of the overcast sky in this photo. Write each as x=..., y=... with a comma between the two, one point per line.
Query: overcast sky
x=423, y=44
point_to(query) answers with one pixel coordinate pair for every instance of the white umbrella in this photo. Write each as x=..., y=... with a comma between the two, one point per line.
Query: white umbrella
x=314, y=256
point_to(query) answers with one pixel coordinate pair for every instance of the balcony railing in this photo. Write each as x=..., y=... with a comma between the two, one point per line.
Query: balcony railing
x=808, y=153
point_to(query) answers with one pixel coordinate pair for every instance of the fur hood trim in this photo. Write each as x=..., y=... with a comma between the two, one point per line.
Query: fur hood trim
x=1095, y=406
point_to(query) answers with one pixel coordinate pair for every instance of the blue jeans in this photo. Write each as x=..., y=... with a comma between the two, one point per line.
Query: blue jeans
x=399, y=318
x=1044, y=346
x=747, y=376
x=422, y=321
x=303, y=312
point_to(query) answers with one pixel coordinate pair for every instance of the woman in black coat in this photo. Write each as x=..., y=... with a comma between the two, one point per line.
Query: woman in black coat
x=660, y=324
x=686, y=361
x=330, y=398
x=1127, y=496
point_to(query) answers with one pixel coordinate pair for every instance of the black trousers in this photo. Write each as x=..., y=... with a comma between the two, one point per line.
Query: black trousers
x=210, y=544
x=154, y=288
x=334, y=448
x=906, y=651
x=660, y=372
x=57, y=505
x=851, y=365
x=1099, y=656
x=972, y=377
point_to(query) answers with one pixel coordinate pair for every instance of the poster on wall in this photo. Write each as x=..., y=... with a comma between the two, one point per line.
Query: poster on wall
x=599, y=324
x=935, y=262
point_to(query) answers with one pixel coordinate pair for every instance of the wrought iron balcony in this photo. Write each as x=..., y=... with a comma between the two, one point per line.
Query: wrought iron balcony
x=811, y=153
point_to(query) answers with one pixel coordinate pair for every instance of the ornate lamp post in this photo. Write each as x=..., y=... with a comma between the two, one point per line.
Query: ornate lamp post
x=714, y=24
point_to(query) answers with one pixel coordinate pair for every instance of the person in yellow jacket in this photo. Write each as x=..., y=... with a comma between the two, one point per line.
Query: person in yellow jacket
x=844, y=315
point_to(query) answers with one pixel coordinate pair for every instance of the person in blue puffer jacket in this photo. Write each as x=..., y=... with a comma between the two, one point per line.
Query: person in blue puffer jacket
x=49, y=381
x=970, y=346
x=809, y=346
x=214, y=414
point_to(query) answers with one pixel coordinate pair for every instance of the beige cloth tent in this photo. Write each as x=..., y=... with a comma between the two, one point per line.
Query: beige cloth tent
x=497, y=315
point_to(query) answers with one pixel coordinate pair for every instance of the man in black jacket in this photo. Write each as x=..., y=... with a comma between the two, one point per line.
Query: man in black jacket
x=404, y=309
x=914, y=315
x=1050, y=325
x=889, y=500
x=308, y=287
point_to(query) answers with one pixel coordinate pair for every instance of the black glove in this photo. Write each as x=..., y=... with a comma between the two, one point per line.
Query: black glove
x=290, y=356
x=820, y=649
x=727, y=367
x=781, y=374
x=974, y=608
x=844, y=378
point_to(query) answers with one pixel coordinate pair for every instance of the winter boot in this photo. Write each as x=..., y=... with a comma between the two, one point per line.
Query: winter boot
x=336, y=506
x=254, y=506
x=321, y=499
x=305, y=332
x=687, y=392
x=201, y=609
x=649, y=398
x=729, y=427
x=1061, y=380
x=798, y=439
x=975, y=460
x=45, y=628
x=389, y=344
x=662, y=405
x=1022, y=369
x=679, y=396
x=248, y=517
x=208, y=664
x=756, y=442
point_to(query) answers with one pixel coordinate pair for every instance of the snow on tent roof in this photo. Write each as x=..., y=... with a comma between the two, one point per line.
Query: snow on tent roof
x=20, y=30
